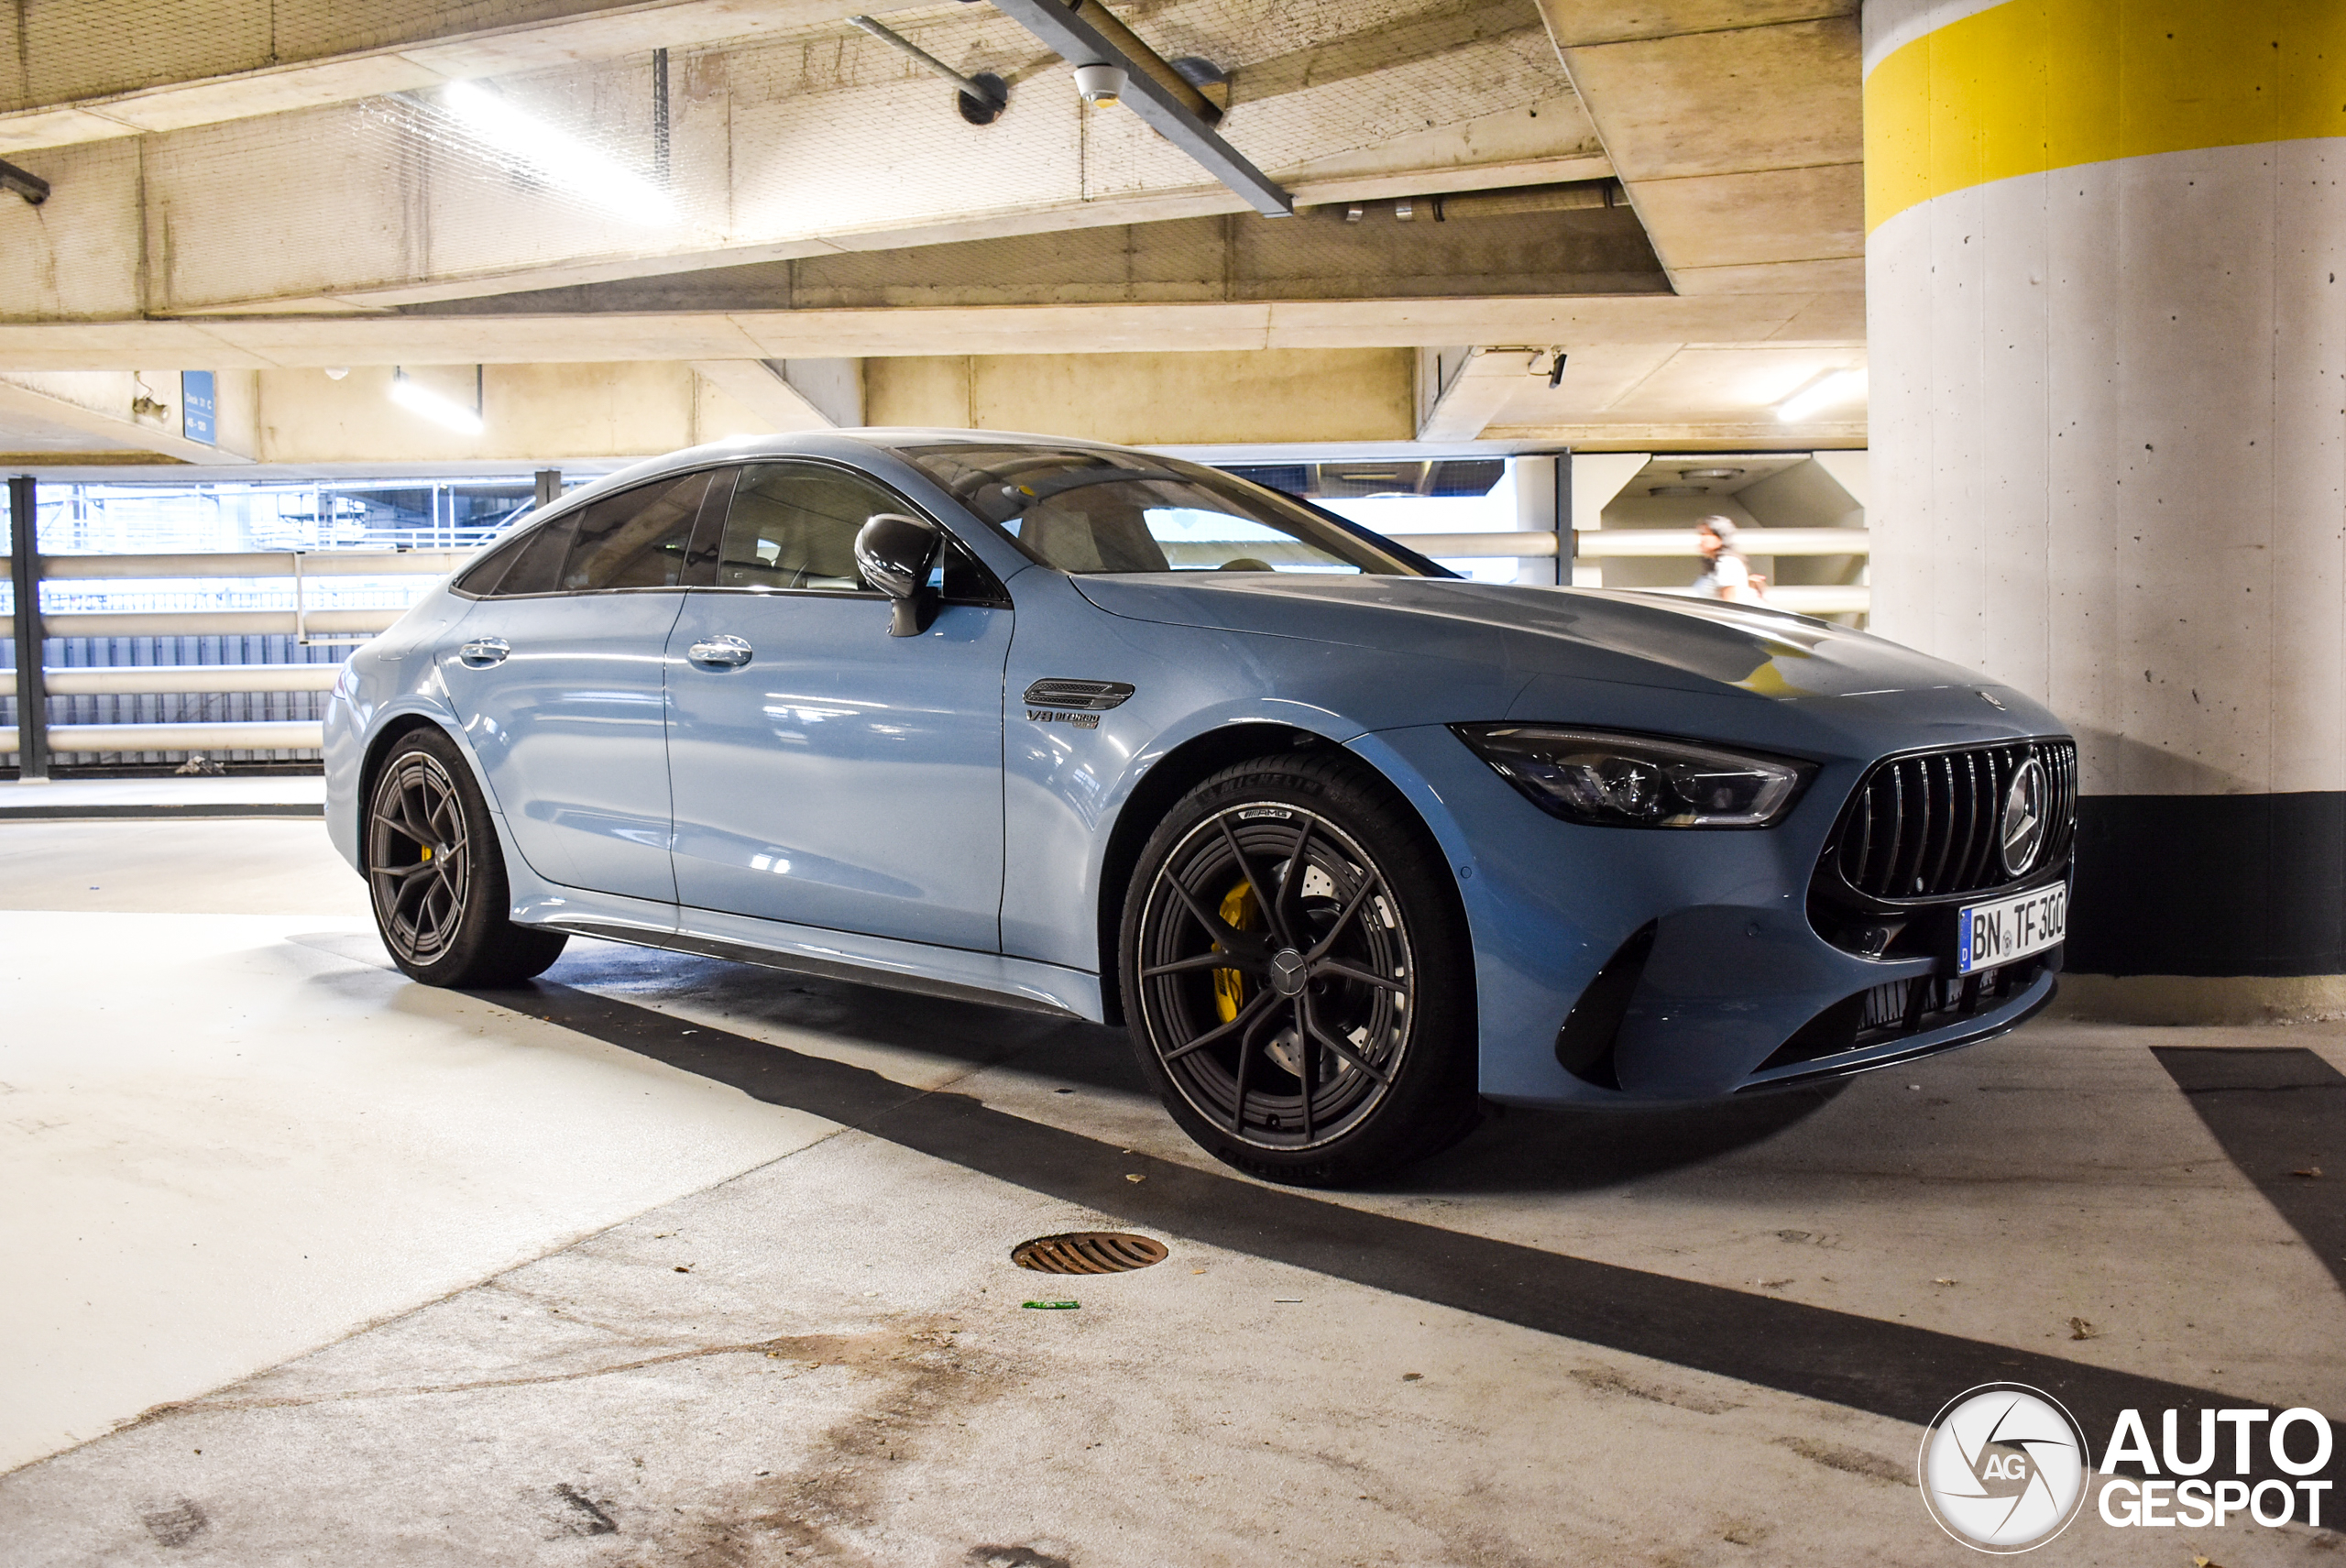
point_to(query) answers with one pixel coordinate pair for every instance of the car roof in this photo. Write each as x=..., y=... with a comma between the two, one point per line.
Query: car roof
x=845, y=444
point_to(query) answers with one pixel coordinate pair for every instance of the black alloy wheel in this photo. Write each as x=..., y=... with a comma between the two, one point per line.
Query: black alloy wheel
x=1303, y=1001
x=437, y=877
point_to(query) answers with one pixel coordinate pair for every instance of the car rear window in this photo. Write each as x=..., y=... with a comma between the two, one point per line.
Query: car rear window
x=636, y=539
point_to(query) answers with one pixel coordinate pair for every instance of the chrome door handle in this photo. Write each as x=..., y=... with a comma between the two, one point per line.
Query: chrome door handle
x=483, y=652
x=725, y=649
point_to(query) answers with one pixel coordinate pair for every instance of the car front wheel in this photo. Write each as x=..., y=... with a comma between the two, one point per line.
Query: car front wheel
x=437, y=876
x=1296, y=974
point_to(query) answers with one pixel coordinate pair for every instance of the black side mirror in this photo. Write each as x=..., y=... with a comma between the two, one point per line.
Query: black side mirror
x=895, y=553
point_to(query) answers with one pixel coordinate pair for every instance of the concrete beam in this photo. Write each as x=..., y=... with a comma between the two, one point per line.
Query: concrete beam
x=393, y=202
x=802, y=394
x=277, y=342
x=67, y=80
x=97, y=407
x=1461, y=391
x=1734, y=128
x=561, y=414
x=1321, y=255
x=591, y=413
x=1712, y=391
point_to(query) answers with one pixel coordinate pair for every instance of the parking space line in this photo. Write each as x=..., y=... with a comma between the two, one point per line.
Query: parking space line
x=1866, y=1363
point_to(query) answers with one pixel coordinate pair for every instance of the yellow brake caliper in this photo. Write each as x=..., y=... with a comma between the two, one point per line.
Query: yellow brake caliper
x=1229, y=985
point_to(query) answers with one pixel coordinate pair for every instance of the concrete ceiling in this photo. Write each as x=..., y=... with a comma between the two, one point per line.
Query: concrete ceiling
x=234, y=199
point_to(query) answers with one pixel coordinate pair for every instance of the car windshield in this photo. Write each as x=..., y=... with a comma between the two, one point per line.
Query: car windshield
x=1084, y=510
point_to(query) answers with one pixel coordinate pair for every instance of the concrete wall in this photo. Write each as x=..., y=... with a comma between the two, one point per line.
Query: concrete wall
x=533, y=412
x=1283, y=395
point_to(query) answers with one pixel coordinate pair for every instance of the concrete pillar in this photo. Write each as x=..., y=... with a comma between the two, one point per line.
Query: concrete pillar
x=2108, y=339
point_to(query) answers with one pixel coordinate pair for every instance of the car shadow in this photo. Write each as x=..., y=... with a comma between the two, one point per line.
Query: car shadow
x=1563, y=1149
x=969, y=1034
x=1516, y=1148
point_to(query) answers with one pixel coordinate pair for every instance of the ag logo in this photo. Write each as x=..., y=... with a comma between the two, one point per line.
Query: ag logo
x=2003, y=1468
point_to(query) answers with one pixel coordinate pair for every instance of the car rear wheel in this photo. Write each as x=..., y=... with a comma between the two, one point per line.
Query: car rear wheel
x=1297, y=974
x=437, y=876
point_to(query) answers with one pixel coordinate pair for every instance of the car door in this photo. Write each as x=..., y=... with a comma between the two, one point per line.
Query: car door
x=825, y=772
x=559, y=682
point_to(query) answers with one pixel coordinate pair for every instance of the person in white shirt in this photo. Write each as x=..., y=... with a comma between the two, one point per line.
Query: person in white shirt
x=1726, y=574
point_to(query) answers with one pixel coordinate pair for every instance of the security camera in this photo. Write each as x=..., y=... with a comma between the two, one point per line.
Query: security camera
x=1101, y=84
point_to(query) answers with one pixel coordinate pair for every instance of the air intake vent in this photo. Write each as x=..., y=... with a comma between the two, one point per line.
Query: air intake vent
x=1082, y=697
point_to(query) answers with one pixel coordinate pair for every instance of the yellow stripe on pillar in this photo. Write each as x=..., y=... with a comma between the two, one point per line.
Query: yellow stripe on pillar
x=2032, y=85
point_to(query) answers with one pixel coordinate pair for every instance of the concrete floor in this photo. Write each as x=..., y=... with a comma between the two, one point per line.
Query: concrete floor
x=670, y=1261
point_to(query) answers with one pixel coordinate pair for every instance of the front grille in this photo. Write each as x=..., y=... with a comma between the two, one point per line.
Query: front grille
x=1926, y=827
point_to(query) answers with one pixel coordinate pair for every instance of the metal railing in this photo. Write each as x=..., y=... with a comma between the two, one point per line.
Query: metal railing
x=305, y=624
x=309, y=626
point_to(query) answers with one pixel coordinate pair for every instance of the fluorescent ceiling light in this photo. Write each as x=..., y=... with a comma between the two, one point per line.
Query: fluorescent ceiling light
x=421, y=399
x=1829, y=390
x=557, y=157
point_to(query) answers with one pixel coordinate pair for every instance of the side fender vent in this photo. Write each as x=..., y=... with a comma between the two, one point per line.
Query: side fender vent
x=1584, y=1044
x=1082, y=696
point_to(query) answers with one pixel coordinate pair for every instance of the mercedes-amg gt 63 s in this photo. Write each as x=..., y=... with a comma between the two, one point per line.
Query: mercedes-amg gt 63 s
x=1347, y=843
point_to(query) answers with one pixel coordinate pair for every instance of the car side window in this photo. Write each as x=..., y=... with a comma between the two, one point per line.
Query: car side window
x=793, y=525
x=636, y=539
x=484, y=574
x=525, y=564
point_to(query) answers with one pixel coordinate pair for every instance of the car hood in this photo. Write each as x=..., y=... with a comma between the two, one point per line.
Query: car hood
x=1642, y=638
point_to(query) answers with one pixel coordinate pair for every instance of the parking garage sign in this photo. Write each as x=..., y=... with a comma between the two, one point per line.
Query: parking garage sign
x=199, y=407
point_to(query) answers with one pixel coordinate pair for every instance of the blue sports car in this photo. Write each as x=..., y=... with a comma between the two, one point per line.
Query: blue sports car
x=1347, y=843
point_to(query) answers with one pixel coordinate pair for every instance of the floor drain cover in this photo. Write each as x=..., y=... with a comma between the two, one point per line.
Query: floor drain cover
x=1088, y=1251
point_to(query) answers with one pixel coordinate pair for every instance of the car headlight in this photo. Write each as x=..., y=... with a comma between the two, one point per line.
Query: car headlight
x=1635, y=781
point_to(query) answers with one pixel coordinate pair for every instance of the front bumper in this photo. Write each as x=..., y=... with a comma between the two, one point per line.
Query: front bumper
x=1718, y=982
x=2021, y=1002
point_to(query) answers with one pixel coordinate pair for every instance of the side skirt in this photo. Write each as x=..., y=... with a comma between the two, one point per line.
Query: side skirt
x=996, y=979
x=807, y=964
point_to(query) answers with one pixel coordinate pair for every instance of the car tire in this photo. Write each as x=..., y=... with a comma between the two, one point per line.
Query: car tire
x=1341, y=1046
x=435, y=872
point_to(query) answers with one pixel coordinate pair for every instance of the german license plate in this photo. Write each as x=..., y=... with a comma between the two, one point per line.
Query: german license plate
x=1994, y=934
